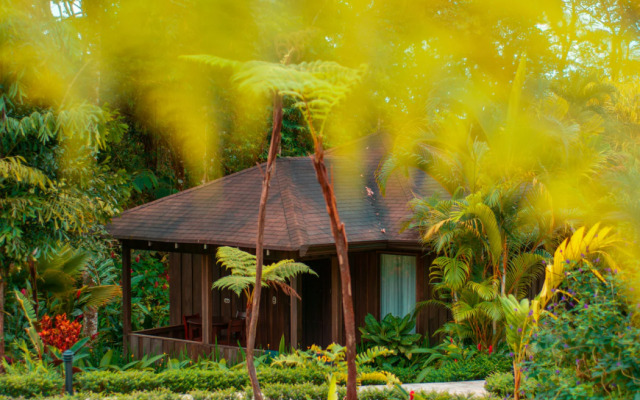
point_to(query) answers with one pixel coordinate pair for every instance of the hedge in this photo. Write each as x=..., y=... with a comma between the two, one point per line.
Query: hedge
x=31, y=384
x=272, y=392
x=299, y=383
x=183, y=381
x=176, y=381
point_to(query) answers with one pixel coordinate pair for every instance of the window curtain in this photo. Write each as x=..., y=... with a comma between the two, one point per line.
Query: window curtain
x=397, y=284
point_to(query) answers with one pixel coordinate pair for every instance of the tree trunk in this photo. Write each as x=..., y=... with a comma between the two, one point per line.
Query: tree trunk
x=252, y=318
x=340, y=237
x=90, y=320
x=2, y=284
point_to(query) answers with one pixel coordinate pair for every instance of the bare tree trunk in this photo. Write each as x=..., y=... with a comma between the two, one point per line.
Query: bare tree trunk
x=340, y=237
x=252, y=318
x=2, y=284
x=90, y=320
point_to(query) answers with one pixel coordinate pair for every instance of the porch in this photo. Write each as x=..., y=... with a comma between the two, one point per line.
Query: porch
x=170, y=340
x=201, y=320
x=382, y=280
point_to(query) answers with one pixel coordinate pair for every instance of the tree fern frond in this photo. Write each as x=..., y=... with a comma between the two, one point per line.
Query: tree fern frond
x=372, y=353
x=236, y=283
x=213, y=61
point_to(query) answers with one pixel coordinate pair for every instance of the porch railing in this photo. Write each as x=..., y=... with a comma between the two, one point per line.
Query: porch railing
x=170, y=340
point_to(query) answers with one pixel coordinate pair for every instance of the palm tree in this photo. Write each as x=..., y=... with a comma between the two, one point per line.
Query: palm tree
x=57, y=278
x=488, y=246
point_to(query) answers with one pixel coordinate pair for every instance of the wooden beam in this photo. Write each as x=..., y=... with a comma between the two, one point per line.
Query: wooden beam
x=126, y=297
x=294, y=314
x=206, y=280
x=336, y=302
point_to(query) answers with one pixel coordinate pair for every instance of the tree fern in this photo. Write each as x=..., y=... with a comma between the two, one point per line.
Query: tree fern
x=243, y=272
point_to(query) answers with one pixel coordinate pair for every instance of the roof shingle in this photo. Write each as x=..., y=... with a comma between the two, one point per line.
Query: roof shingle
x=225, y=211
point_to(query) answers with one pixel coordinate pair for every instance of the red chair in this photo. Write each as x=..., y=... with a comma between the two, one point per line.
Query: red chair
x=236, y=329
x=192, y=323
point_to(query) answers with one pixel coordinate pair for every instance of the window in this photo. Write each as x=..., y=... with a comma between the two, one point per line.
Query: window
x=397, y=284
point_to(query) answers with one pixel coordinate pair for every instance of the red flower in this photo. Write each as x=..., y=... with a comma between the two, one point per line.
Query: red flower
x=411, y=394
x=451, y=340
x=165, y=286
x=23, y=291
x=62, y=334
x=455, y=360
x=479, y=346
x=490, y=348
x=78, y=293
x=138, y=258
x=155, y=285
x=113, y=255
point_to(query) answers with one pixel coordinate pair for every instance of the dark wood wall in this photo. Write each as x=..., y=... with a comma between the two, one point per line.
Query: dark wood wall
x=365, y=285
x=320, y=311
x=185, y=287
x=185, y=298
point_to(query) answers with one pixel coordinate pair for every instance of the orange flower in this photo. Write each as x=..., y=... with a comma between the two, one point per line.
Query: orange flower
x=62, y=334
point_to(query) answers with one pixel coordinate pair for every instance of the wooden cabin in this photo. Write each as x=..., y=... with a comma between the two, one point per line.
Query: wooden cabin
x=389, y=267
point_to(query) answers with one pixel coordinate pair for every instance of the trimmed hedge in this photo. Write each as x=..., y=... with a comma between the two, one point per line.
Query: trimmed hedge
x=177, y=381
x=184, y=381
x=31, y=384
x=294, y=384
x=273, y=392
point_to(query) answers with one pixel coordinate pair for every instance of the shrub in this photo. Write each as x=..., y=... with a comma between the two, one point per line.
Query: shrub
x=500, y=383
x=393, y=333
x=591, y=349
x=185, y=380
x=178, y=381
x=31, y=384
x=292, y=376
x=477, y=367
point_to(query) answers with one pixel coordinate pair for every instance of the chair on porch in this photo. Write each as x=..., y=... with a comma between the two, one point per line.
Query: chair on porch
x=236, y=329
x=192, y=325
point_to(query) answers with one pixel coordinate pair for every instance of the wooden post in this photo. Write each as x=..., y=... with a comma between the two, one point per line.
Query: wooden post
x=336, y=302
x=294, y=314
x=126, y=297
x=206, y=279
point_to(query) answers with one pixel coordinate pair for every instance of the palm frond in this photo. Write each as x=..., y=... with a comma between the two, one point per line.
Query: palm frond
x=102, y=295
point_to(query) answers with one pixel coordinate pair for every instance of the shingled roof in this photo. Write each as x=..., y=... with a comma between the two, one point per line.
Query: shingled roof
x=224, y=211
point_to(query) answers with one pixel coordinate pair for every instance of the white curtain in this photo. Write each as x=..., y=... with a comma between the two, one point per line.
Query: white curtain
x=397, y=284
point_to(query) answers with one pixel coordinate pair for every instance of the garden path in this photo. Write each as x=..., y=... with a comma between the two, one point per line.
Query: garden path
x=465, y=388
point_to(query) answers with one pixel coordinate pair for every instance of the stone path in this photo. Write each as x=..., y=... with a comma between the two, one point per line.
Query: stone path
x=468, y=387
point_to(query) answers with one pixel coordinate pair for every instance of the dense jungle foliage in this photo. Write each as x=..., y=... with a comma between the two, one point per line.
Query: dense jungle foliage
x=528, y=114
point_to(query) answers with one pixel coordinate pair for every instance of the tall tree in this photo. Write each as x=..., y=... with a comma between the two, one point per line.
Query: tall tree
x=315, y=88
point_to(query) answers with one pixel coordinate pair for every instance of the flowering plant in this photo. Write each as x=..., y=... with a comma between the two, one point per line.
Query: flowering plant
x=59, y=332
